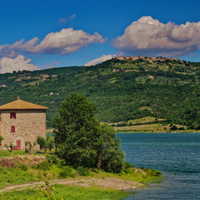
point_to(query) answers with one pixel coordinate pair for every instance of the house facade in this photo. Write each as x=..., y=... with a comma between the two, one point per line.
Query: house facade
x=22, y=121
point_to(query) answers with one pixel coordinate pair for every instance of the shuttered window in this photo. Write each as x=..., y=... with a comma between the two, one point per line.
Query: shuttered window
x=12, y=115
x=12, y=129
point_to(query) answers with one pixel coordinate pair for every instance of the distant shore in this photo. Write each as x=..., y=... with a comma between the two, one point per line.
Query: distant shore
x=149, y=131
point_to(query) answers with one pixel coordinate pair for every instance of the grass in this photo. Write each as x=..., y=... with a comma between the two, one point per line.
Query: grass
x=23, y=172
x=6, y=153
x=148, y=125
x=141, y=128
x=18, y=175
x=68, y=193
x=145, y=119
x=136, y=176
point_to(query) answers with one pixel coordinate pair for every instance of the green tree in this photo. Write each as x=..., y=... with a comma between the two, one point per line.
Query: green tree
x=50, y=143
x=82, y=140
x=109, y=155
x=1, y=139
x=41, y=142
x=29, y=146
x=10, y=148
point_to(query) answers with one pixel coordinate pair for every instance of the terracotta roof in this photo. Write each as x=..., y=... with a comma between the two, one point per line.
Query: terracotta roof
x=21, y=105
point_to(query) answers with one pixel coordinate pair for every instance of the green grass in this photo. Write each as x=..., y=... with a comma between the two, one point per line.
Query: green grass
x=6, y=153
x=18, y=176
x=67, y=192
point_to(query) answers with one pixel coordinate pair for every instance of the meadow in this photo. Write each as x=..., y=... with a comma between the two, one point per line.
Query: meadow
x=46, y=174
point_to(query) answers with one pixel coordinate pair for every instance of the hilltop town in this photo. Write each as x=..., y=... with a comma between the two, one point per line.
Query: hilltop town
x=147, y=59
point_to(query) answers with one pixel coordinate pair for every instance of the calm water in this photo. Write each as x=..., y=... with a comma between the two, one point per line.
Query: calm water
x=176, y=155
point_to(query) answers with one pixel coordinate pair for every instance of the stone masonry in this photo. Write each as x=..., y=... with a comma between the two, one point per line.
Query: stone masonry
x=21, y=121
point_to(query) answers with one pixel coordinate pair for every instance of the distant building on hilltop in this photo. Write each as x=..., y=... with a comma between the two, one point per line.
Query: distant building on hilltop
x=21, y=121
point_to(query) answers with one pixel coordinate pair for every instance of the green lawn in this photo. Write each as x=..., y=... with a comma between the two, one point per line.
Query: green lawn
x=6, y=153
x=18, y=176
x=66, y=192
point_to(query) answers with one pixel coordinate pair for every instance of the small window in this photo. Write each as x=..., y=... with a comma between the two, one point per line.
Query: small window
x=12, y=129
x=12, y=115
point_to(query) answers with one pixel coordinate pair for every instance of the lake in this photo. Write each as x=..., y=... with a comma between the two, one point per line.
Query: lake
x=177, y=155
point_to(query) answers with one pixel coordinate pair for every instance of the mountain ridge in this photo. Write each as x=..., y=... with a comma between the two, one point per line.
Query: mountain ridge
x=121, y=89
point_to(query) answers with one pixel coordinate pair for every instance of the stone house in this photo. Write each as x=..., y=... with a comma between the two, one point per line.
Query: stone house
x=21, y=121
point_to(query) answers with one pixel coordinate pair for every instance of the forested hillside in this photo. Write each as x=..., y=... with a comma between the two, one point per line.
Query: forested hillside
x=120, y=89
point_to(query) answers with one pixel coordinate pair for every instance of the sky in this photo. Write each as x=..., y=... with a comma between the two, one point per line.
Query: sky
x=40, y=34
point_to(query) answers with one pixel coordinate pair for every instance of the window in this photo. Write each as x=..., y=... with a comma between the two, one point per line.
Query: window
x=12, y=129
x=12, y=115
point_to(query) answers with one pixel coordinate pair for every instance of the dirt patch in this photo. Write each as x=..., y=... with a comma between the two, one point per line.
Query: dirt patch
x=27, y=160
x=6, y=162
x=113, y=183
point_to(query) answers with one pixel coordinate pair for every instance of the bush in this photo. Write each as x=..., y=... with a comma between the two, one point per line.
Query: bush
x=83, y=171
x=67, y=172
x=52, y=159
x=23, y=167
x=43, y=166
x=155, y=173
x=152, y=172
x=95, y=170
x=126, y=166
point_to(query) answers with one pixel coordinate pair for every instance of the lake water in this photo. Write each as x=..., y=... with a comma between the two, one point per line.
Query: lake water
x=177, y=155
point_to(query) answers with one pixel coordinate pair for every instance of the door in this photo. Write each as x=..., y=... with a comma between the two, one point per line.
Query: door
x=18, y=144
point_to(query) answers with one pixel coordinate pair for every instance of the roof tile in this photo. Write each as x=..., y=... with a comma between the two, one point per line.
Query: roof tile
x=21, y=105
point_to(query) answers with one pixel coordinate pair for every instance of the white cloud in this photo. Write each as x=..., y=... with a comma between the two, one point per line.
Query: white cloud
x=64, y=42
x=99, y=60
x=66, y=19
x=72, y=16
x=16, y=64
x=151, y=37
x=62, y=21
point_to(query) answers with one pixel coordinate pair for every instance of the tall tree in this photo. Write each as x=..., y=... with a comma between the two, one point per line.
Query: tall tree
x=82, y=140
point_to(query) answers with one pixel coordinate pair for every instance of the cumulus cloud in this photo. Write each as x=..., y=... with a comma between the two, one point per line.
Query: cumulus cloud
x=16, y=64
x=64, y=42
x=151, y=37
x=99, y=60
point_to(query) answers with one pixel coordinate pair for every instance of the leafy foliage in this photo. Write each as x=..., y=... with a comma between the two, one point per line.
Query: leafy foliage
x=1, y=138
x=41, y=142
x=29, y=146
x=82, y=140
x=119, y=89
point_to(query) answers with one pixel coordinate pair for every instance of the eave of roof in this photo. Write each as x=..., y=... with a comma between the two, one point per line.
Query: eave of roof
x=22, y=105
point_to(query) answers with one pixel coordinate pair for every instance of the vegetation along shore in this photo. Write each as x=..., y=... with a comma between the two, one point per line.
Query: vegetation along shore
x=81, y=160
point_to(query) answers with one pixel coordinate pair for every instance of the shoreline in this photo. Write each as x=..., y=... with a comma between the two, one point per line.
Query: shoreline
x=149, y=132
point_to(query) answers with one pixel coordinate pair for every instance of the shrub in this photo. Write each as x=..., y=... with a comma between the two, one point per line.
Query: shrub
x=67, y=172
x=155, y=173
x=126, y=166
x=52, y=159
x=43, y=166
x=23, y=167
x=95, y=170
x=83, y=171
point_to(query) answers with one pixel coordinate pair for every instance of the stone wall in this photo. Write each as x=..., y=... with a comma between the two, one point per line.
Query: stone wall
x=29, y=124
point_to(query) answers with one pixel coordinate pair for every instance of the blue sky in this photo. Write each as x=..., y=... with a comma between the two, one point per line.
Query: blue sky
x=53, y=33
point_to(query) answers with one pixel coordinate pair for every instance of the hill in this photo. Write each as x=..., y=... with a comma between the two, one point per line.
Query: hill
x=122, y=89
